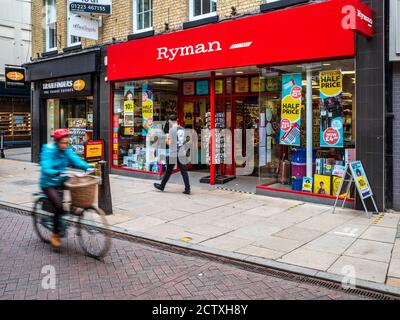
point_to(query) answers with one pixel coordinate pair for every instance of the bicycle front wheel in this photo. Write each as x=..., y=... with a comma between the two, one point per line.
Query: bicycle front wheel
x=95, y=241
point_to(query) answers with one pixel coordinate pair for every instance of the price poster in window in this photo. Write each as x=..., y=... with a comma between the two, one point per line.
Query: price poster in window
x=147, y=109
x=219, y=86
x=188, y=88
x=291, y=109
x=331, y=109
x=128, y=114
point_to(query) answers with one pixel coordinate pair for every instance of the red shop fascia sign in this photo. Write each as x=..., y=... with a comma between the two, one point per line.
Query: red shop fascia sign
x=313, y=32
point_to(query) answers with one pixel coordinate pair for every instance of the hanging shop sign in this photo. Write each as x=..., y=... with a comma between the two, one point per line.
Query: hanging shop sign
x=241, y=42
x=91, y=6
x=15, y=77
x=331, y=109
x=67, y=87
x=147, y=109
x=358, y=17
x=84, y=27
x=291, y=109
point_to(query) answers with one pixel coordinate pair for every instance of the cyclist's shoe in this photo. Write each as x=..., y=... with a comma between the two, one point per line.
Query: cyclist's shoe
x=55, y=241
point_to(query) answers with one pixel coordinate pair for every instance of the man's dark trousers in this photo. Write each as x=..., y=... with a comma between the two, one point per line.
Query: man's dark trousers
x=170, y=169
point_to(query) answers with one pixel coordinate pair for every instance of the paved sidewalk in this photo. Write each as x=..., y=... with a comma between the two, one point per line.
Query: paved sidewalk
x=132, y=271
x=21, y=154
x=288, y=234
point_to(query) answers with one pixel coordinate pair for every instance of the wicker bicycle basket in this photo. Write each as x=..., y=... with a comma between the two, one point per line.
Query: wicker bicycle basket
x=83, y=190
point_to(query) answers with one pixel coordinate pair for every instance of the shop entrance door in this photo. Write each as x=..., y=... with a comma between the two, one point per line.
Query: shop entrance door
x=246, y=117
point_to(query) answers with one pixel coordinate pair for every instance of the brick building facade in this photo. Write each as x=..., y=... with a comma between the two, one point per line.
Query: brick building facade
x=169, y=16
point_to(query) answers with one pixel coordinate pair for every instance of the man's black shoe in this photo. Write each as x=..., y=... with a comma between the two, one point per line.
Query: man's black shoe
x=186, y=192
x=158, y=186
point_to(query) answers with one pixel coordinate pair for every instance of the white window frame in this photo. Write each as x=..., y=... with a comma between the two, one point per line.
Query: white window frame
x=192, y=17
x=47, y=27
x=69, y=42
x=135, y=20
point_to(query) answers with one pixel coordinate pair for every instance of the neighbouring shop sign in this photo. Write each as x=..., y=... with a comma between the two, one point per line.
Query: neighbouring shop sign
x=241, y=42
x=91, y=6
x=84, y=27
x=291, y=109
x=15, y=77
x=331, y=109
x=67, y=87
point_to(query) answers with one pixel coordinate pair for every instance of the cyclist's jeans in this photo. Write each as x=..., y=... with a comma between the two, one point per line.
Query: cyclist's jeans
x=55, y=195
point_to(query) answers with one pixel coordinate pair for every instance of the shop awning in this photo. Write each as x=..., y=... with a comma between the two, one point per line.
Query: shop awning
x=313, y=32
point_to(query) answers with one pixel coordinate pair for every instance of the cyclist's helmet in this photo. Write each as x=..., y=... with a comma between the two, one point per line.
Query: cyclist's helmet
x=60, y=133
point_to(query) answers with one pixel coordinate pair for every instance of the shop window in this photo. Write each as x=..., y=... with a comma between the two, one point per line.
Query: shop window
x=75, y=114
x=139, y=108
x=142, y=15
x=200, y=9
x=51, y=25
x=282, y=147
x=72, y=40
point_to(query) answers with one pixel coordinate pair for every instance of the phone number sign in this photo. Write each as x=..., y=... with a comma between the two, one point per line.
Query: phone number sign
x=91, y=6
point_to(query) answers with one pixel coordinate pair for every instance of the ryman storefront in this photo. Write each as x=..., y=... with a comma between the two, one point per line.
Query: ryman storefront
x=302, y=94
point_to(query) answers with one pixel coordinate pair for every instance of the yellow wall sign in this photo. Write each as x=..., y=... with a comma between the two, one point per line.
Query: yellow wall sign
x=79, y=85
x=94, y=150
x=15, y=76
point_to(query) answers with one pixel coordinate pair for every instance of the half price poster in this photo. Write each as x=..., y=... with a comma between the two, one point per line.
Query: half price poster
x=331, y=109
x=291, y=109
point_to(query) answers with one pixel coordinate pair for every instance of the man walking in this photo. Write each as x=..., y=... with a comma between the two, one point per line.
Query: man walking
x=175, y=140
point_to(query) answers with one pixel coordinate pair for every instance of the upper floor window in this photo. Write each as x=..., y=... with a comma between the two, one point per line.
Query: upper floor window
x=51, y=25
x=72, y=40
x=199, y=9
x=142, y=15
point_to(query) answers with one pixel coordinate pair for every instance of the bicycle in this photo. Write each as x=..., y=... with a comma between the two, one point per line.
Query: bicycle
x=88, y=233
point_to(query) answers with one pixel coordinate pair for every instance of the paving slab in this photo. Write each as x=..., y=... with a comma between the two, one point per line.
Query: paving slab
x=297, y=233
x=207, y=230
x=372, y=250
x=170, y=215
x=279, y=244
x=389, y=220
x=252, y=250
x=227, y=242
x=382, y=234
x=394, y=268
x=140, y=223
x=363, y=269
x=394, y=282
x=324, y=223
x=310, y=258
x=255, y=232
x=330, y=243
x=237, y=221
x=396, y=249
x=349, y=229
x=264, y=211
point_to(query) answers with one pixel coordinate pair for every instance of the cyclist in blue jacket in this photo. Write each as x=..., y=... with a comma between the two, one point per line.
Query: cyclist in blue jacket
x=55, y=158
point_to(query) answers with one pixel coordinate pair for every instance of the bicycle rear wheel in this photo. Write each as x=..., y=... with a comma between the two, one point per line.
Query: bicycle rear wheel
x=94, y=241
x=42, y=224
